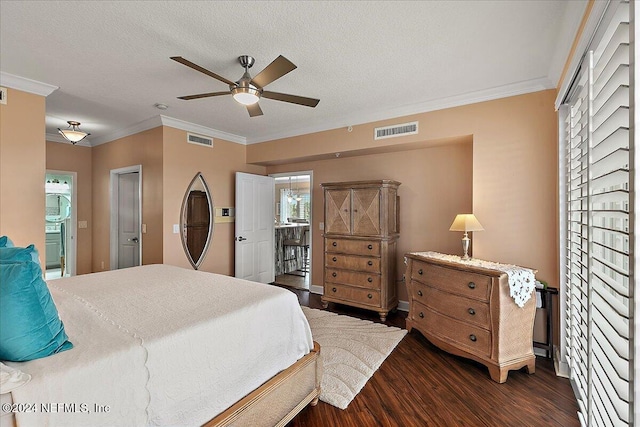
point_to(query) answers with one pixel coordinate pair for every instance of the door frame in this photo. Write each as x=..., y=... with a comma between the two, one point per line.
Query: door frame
x=310, y=174
x=113, y=204
x=71, y=250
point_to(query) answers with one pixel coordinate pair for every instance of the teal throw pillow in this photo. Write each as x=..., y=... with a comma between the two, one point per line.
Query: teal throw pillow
x=16, y=254
x=30, y=327
x=5, y=242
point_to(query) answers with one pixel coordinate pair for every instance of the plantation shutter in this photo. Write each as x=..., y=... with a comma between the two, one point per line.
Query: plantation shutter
x=598, y=280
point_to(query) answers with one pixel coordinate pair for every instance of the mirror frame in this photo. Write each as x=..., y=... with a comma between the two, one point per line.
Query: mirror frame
x=61, y=220
x=183, y=226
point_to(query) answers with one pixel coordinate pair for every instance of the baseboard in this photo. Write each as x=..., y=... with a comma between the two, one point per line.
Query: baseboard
x=562, y=368
x=315, y=289
x=403, y=305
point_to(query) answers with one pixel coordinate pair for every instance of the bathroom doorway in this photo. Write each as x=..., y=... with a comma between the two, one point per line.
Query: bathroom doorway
x=293, y=230
x=60, y=224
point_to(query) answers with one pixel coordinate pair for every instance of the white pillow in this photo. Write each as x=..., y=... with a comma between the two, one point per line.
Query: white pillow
x=11, y=379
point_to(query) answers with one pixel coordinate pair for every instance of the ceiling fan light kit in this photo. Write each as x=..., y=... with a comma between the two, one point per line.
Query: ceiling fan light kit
x=248, y=91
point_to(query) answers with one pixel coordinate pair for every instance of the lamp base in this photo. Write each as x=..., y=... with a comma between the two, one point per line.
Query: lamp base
x=466, y=242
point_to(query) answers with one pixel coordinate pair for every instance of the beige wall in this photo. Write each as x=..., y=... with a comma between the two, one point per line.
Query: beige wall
x=436, y=185
x=22, y=169
x=514, y=171
x=67, y=157
x=218, y=165
x=144, y=148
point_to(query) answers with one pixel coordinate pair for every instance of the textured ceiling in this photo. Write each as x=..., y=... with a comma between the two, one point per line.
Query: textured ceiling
x=364, y=60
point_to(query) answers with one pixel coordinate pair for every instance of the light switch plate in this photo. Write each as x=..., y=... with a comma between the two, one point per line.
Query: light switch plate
x=176, y=228
x=322, y=226
x=144, y=228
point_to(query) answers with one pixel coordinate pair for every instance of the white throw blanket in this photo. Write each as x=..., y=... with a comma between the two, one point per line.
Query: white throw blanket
x=161, y=345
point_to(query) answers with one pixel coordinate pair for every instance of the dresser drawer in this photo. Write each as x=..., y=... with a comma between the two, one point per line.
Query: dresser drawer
x=349, y=262
x=354, y=247
x=467, y=337
x=353, y=278
x=348, y=293
x=459, y=282
x=465, y=309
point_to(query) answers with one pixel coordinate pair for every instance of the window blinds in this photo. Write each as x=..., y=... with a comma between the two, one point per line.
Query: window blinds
x=597, y=251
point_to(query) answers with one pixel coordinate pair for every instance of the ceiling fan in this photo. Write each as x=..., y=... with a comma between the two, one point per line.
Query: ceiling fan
x=248, y=90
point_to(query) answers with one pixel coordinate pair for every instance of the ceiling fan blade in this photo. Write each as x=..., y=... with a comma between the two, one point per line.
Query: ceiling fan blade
x=294, y=99
x=204, y=95
x=278, y=68
x=196, y=67
x=254, y=110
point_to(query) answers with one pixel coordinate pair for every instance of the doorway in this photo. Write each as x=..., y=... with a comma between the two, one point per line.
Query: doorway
x=293, y=230
x=60, y=224
x=126, y=214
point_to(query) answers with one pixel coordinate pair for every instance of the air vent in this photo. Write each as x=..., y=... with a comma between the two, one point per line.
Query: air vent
x=396, y=130
x=199, y=140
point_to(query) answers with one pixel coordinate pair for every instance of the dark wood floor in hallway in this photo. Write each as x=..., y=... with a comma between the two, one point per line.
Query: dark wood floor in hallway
x=420, y=385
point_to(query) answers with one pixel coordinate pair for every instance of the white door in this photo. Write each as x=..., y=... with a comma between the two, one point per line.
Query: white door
x=255, y=230
x=128, y=220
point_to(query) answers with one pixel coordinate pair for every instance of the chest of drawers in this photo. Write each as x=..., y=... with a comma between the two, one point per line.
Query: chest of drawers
x=468, y=311
x=360, y=239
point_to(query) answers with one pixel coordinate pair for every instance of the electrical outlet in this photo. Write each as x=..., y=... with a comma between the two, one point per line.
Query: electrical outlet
x=102, y=265
x=82, y=224
x=3, y=95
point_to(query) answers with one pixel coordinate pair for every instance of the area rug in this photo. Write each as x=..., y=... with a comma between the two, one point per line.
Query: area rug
x=351, y=349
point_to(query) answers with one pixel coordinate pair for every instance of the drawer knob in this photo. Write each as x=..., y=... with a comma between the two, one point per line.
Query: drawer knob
x=472, y=285
x=420, y=272
x=369, y=279
x=472, y=311
x=370, y=263
x=370, y=247
x=334, y=274
x=334, y=244
x=419, y=293
x=421, y=315
x=335, y=259
x=334, y=290
x=473, y=338
x=369, y=296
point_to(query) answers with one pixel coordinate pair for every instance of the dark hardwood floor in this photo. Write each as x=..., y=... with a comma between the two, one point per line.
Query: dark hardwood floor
x=420, y=385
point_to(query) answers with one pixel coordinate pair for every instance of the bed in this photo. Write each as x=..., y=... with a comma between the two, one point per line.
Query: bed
x=162, y=345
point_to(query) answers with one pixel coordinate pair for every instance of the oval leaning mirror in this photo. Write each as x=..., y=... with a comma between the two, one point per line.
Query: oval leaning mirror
x=58, y=208
x=196, y=221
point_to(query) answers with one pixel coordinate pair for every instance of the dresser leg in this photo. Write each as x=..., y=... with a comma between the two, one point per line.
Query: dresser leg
x=383, y=316
x=497, y=374
x=531, y=367
x=325, y=304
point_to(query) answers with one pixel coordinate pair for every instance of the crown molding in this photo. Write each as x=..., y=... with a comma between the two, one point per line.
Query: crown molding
x=160, y=120
x=202, y=130
x=150, y=123
x=54, y=137
x=26, y=85
x=505, y=91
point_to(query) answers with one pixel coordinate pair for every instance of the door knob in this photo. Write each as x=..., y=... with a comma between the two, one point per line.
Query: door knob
x=241, y=239
x=134, y=240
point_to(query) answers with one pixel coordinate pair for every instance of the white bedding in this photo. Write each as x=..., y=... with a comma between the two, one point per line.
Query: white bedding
x=161, y=345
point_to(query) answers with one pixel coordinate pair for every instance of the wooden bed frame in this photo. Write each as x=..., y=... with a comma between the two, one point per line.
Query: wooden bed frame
x=281, y=398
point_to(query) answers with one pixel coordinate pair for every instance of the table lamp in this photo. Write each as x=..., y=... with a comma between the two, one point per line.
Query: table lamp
x=466, y=223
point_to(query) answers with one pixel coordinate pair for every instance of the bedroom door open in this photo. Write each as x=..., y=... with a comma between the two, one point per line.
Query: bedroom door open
x=254, y=238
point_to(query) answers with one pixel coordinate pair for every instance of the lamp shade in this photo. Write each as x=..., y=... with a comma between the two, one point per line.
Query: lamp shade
x=466, y=222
